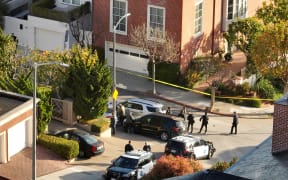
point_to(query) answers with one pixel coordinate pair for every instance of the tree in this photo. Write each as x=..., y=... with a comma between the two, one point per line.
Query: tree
x=160, y=48
x=8, y=61
x=88, y=83
x=241, y=34
x=171, y=166
x=274, y=12
x=270, y=52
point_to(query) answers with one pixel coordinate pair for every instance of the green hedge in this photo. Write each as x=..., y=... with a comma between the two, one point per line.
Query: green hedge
x=100, y=125
x=165, y=71
x=68, y=149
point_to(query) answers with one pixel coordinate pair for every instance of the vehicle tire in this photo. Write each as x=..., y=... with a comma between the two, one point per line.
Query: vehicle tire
x=164, y=136
x=81, y=154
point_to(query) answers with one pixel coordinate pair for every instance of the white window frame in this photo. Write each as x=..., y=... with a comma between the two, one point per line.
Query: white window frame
x=238, y=8
x=149, y=36
x=71, y=2
x=198, y=19
x=125, y=20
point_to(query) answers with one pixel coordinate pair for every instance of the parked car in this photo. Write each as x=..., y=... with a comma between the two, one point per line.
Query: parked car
x=158, y=124
x=131, y=165
x=88, y=144
x=139, y=106
x=190, y=146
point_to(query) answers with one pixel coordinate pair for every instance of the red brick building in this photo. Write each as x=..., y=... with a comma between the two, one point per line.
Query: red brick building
x=196, y=24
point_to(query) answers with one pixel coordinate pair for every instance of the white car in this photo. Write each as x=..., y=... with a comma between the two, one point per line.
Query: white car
x=131, y=165
x=139, y=106
x=190, y=146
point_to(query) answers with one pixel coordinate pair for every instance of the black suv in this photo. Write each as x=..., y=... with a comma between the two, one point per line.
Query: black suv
x=190, y=146
x=158, y=124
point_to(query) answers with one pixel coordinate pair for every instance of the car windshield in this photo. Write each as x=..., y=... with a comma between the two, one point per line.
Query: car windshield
x=90, y=139
x=125, y=162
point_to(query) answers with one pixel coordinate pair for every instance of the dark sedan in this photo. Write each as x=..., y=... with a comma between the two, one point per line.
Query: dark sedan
x=88, y=144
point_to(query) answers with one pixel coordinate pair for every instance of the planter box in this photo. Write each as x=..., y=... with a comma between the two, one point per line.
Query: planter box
x=87, y=127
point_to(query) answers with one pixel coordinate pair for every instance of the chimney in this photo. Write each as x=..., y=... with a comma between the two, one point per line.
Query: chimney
x=280, y=126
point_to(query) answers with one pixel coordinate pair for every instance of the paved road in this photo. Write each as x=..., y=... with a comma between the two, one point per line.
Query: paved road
x=251, y=132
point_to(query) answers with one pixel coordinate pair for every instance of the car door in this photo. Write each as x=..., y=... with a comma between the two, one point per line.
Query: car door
x=200, y=149
x=144, y=167
x=146, y=124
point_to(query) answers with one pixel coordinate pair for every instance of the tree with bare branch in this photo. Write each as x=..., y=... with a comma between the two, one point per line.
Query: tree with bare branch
x=161, y=47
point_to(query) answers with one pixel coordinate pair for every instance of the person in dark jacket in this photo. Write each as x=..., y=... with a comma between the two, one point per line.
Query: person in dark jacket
x=204, y=118
x=128, y=147
x=191, y=122
x=147, y=147
x=234, y=123
x=113, y=124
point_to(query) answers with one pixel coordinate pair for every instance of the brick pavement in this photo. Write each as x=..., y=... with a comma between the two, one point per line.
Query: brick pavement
x=20, y=166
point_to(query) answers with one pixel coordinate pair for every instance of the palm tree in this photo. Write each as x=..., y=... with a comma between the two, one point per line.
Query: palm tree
x=3, y=12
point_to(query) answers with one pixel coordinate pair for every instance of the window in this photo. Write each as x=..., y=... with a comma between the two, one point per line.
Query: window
x=72, y=2
x=118, y=9
x=156, y=22
x=236, y=9
x=198, y=17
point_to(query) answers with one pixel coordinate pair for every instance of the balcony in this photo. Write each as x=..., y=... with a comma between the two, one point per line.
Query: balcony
x=48, y=10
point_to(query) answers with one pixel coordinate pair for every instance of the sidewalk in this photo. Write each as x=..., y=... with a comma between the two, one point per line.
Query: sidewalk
x=136, y=83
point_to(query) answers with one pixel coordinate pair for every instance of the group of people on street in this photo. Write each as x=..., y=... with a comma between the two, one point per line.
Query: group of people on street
x=129, y=147
x=203, y=119
x=121, y=115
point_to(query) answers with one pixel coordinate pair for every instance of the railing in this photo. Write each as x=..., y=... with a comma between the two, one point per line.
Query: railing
x=63, y=111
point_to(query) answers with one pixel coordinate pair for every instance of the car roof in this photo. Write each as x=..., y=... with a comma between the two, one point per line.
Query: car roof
x=147, y=102
x=186, y=138
x=137, y=154
x=75, y=131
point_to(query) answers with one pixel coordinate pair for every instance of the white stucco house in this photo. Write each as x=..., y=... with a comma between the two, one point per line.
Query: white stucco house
x=47, y=28
x=16, y=122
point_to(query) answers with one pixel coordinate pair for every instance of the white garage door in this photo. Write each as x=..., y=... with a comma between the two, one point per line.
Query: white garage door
x=49, y=40
x=127, y=57
x=16, y=138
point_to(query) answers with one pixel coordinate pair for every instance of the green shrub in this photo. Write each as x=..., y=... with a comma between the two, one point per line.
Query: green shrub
x=165, y=71
x=192, y=77
x=265, y=89
x=223, y=165
x=68, y=149
x=242, y=89
x=99, y=125
x=252, y=103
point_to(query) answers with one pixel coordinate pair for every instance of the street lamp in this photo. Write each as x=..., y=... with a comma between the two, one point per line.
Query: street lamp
x=114, y=59
x=35, y=66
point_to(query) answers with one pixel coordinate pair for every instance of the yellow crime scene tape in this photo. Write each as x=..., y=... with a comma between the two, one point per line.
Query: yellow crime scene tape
x=193, y=90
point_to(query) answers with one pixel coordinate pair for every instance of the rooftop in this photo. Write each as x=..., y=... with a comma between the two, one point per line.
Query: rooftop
x=261, y=164
x=9, y=101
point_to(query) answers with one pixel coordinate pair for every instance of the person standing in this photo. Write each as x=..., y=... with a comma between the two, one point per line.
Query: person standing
x=234, y=123
x=168, y=111
x=128, y=147
x=191, y=122
x=147, y=147
x=183, y=113
x=204, y=118
x=122, y=114
x=113, y=124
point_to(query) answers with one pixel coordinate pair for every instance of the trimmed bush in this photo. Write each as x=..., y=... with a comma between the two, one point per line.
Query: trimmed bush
x=171, y=166
x=265, y=89
x=98, y=125
x=165, y=71
x=68, y=149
